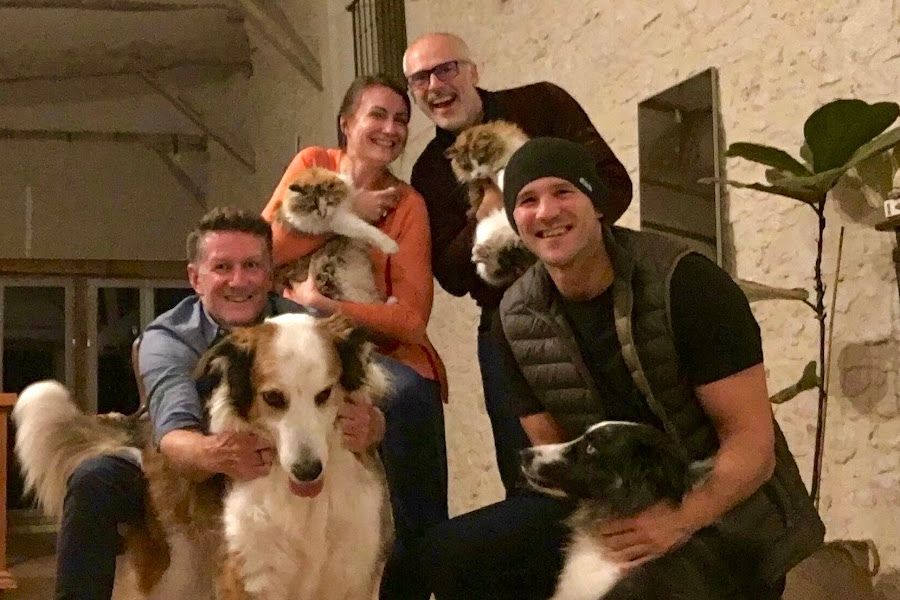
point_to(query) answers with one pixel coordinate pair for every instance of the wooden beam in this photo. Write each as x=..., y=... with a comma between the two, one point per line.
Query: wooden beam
x=120, y=5
x=275, y=27
x=113, y=269
x=78, y=69
x=198, y=193
x=240, y=150
x=164, y=141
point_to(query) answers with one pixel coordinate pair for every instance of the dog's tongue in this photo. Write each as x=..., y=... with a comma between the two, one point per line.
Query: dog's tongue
x=307, y=489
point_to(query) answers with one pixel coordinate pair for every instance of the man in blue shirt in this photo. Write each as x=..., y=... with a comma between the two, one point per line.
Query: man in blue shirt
x=230, y=269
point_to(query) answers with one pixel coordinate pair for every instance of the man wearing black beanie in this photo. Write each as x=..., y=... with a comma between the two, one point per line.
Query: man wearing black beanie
x=619, y=325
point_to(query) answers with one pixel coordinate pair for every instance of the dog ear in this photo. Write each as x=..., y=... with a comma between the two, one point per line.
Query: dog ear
x=353, y=349
x=228, y=362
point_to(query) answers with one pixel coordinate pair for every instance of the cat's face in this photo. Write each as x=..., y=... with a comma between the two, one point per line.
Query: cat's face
x=315, y=191
x=480, y=152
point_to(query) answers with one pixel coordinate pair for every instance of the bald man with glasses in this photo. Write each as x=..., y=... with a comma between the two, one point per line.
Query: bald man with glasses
x=443, y=79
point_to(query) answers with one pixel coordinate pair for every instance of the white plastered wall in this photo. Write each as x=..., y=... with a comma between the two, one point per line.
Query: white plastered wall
x=777, y=61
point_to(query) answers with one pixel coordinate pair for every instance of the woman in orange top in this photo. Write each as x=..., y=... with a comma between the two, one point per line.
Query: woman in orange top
x=372, y=132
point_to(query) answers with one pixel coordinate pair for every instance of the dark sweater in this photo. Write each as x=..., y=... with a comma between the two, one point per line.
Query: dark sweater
x=540, y=109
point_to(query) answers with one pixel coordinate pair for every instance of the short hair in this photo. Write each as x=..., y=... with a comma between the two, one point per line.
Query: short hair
x=359, y=85
x=227, y=218
x=461, y=45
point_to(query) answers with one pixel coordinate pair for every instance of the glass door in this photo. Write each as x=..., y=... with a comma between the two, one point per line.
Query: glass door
x=117, y=311
x=37, y=341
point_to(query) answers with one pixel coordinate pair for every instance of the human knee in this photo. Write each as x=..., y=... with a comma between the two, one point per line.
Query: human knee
x=100, y=485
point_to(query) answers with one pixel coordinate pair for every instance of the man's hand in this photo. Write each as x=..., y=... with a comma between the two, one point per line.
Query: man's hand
x=239, y=455
x=361, y=423
x=374, y=205
x=491, y=199
x=645, y=536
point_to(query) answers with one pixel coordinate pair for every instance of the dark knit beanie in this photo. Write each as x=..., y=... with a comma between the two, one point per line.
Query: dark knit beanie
x=552, y=157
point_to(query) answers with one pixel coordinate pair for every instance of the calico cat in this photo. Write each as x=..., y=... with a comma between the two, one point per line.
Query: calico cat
x=480, y=154
x=318, y=202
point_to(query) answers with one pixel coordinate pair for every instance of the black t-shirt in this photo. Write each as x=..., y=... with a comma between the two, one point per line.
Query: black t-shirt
x=715, y=333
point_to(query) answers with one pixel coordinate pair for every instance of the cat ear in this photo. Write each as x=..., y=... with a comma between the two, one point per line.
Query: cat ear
x=451, y=152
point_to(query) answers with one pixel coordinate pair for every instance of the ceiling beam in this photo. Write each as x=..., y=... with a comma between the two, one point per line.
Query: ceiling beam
x=81, y=69
x=120, y=5
x=275, y=27
x=168, y=142
x=186, y=181
x=241, y=150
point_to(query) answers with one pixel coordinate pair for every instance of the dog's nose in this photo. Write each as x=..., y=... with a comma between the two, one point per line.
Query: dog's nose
x=526, y=456
x=308, y=470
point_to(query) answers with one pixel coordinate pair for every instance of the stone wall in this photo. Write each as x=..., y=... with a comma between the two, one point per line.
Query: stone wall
x=777, y=62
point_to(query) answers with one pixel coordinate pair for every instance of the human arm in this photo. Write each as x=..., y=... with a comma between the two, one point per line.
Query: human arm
x=738, y=407
x=167, y=360
x=452, y=232
x=410, y=283
x=720, y=352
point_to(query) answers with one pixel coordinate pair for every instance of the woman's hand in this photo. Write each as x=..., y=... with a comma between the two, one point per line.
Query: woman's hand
x=374, y=205
x=307, y=294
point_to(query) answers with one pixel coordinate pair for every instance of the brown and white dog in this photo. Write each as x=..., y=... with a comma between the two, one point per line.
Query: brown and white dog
x=318, y=526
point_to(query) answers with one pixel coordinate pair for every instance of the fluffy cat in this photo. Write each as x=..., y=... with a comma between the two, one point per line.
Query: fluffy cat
x=318, y=202
x=480, y=154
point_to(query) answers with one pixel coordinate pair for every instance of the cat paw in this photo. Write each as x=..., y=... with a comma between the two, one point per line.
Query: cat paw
x=389, y=246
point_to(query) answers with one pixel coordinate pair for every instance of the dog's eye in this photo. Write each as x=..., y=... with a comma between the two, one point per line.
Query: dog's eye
x=322, y=396
x=590, y=449
x=274, y=398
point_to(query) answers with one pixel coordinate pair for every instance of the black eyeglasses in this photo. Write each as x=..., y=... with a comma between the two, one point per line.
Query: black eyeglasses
x=444, y=72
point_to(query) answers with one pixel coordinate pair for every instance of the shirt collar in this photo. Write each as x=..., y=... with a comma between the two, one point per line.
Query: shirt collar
x=212, y=330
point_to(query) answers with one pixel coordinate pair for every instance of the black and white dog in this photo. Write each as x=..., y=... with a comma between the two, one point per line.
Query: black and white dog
x=615, y=470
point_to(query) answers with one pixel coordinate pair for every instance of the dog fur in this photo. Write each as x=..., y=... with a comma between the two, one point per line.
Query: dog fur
x=616, y=470
x=319, y=202
x=318, y=526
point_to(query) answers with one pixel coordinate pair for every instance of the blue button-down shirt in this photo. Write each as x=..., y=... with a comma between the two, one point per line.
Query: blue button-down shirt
x=170, y=348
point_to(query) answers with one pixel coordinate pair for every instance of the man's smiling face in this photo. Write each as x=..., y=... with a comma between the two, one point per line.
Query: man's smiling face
x=448, y=96
x=557, y=222
x=232, y=275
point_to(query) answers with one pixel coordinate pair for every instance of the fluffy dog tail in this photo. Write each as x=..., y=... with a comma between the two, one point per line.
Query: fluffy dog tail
x=53, y=437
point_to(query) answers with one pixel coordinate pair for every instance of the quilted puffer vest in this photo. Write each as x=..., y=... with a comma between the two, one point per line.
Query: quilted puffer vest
x=778, y=525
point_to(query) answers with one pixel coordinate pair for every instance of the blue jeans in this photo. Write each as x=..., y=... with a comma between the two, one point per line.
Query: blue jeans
x=509, y=437
x=415, y=459
x=102, y=492
x=511, y=550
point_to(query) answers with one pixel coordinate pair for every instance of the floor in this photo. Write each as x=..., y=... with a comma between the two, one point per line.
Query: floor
x=32, y=561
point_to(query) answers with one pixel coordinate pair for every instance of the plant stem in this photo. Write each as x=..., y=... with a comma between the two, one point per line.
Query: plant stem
x=823, y=396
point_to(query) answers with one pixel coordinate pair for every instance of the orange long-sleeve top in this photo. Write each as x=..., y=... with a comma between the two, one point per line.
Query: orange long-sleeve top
x=405, y=275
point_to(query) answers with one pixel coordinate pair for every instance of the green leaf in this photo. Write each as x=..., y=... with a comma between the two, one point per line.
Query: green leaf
x=808, y=380
x=769, y=156
x=759, y=291
x=882, y=143
x=836, y=131
x=806, y=155
x=784, y=187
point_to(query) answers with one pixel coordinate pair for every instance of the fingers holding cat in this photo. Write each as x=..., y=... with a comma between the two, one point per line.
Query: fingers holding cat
x=374, y=205
x=491, y=199
x=305, y=293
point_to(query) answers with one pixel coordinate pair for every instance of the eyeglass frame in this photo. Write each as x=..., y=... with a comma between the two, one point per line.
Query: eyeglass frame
x=424, y=76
